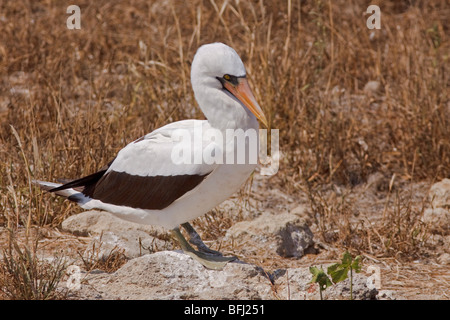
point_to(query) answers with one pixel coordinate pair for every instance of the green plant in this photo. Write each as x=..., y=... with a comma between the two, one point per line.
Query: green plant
x=339, y=271
x=321, y=278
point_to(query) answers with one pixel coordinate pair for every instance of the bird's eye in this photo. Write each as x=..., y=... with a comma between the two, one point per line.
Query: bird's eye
x=227, y=77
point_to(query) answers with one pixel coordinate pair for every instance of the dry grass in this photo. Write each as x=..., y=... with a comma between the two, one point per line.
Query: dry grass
x=70, y=99
x=398, y=230
x=26, y=276
x=97, y=258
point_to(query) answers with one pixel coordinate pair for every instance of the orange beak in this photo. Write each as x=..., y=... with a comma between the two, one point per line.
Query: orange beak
x=245, y=95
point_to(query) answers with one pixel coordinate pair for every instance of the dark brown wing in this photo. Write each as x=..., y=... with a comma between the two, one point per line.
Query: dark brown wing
x=144, y=192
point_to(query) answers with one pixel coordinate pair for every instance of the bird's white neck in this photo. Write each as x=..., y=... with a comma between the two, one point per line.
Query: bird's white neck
x=223, y=111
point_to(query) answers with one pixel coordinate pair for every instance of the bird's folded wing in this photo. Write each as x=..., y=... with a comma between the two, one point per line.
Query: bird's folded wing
x=144, y=175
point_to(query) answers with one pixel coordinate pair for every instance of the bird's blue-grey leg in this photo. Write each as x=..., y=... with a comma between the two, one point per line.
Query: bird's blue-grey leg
x=214, y=262
x=196, y=240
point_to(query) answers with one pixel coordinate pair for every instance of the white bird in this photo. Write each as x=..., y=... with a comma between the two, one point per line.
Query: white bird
x=144, y=185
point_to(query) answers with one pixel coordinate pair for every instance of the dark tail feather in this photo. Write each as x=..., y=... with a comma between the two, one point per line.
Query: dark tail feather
x=82, y=182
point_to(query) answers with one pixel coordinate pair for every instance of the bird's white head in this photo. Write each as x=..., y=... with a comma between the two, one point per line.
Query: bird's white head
x=220, y=85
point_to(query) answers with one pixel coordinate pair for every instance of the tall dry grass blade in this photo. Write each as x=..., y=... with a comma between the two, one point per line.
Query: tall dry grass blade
x=29, y=176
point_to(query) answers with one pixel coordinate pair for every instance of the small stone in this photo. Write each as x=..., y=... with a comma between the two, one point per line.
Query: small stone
x=386, y=295
x=444, y=258
x=372, y=88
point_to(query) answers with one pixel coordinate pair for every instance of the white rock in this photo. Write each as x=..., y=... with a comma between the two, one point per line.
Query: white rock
x=438, y=218
x=440, y=194
x=444, y=258
x=284, y=234
x=301, y=211
x=174, y=275
x=295, y=284
x=110, y=232
x=386, y=295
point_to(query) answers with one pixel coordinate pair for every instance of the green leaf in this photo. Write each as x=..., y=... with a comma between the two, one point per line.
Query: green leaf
x=333, y=268
x=339, y=271
x=320, y=277
x=339, y=275
x=356, y=264
x=346, y=259
x=315, y=272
